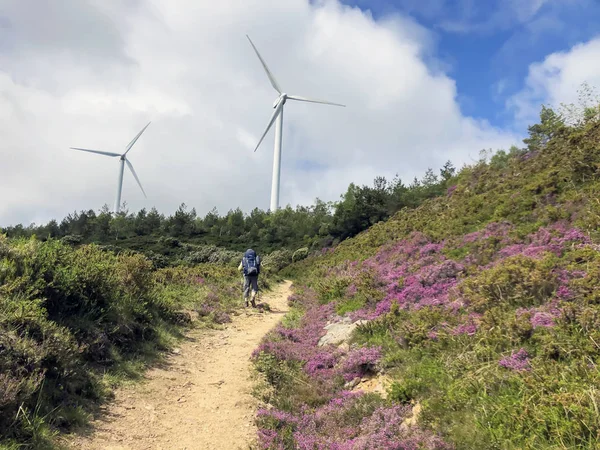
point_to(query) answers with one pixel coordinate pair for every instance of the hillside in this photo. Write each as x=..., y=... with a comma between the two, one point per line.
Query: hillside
x=468, y=319
x=480, y=307
x=76, y=322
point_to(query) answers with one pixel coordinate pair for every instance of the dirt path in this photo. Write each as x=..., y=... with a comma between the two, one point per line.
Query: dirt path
x=200, y=400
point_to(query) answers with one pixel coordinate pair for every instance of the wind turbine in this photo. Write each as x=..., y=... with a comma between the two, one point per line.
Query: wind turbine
x=278, y=118
x=122, y=161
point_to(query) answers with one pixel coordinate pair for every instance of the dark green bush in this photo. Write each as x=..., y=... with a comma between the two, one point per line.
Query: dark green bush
x=277, y=260
x=300, y=254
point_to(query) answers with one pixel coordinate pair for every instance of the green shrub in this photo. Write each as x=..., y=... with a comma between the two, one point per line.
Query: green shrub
x=68, y=314
x=300, y=254
x=349, y=305
x=277, y=260
x=72, y=239
x=517, y=282
x=211, y=254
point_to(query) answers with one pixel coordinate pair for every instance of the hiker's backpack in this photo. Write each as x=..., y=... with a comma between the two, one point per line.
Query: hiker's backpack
x=251, y=263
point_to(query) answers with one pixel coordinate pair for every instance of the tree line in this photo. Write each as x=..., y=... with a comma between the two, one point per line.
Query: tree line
x=322, y=224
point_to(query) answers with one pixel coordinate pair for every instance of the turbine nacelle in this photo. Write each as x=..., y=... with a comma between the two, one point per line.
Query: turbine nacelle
x=281, y=99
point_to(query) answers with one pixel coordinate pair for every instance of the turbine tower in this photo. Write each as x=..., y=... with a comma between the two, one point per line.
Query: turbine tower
x=278, y=118
x=122, y=161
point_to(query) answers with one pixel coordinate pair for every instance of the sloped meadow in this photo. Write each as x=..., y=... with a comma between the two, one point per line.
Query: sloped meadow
x=74, y=322
x=482, y=307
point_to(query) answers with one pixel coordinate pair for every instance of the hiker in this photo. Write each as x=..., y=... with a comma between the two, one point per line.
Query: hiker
x=250, y=266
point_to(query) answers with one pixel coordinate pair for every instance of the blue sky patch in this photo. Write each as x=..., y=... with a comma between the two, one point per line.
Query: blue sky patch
x=490, y=44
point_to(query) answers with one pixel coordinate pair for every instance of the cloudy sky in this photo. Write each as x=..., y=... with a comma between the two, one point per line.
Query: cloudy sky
x=424, y=81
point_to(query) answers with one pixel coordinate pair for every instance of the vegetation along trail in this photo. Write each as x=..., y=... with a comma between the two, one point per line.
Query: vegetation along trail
x=200, y=399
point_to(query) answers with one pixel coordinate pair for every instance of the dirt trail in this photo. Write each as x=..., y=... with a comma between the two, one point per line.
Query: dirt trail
x=200, y=399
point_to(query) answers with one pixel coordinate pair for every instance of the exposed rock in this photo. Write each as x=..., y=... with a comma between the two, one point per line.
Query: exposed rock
x=344, y=346
x=339, y=332
x=378, y=385
x=412, y=421
x=352, y=384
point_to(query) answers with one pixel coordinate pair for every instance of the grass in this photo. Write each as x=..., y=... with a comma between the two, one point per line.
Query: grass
x=292, y=318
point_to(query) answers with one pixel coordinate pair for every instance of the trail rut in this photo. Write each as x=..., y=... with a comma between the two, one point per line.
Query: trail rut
x=200, y=399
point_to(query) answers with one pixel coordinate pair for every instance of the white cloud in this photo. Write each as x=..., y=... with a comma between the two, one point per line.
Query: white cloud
x=490, y=16
x=557, y=79
x=525, y=10
x=187, y=66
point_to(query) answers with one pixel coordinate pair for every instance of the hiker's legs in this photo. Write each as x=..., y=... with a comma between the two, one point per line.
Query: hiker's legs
x=246, y=288
x=254, y=282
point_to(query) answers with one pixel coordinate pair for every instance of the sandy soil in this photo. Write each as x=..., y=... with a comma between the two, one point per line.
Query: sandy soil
x=200, y=399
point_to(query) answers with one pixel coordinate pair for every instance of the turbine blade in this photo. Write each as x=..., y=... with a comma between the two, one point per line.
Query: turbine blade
x=135, y=176
x=273, y=117
x=310, y=100
x=95, y=151
x=269, y=74
x=135, y=139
